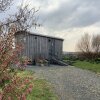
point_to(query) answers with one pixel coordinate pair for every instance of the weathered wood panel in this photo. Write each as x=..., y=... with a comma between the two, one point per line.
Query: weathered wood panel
x=40, y=46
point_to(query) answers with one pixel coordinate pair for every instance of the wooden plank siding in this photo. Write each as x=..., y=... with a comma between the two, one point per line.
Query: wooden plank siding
x=36, y=46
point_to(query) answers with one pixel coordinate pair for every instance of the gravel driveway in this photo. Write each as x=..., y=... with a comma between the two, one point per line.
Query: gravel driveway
x=70, y=83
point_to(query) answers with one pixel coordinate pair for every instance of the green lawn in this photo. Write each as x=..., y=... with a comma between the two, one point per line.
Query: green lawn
x=42, y=90
x=87, y=65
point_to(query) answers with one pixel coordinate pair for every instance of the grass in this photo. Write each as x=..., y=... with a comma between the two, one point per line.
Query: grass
x=24, y=73
x=42, y=90
x=95, y=67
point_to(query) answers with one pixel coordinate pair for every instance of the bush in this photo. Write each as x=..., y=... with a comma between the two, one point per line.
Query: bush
x=22, y=64
x=41, y=61
x=17, y=89
x=13, y=87
x=8, y=54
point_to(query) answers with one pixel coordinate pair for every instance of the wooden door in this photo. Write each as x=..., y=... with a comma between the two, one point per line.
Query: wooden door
x=51, y=48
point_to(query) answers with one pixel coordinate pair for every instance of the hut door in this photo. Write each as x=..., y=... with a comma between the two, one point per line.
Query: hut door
x=51, y=48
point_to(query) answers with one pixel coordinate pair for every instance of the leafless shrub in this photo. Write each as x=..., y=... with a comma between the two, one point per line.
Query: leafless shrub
x=96, y=43
x=84, y=44
x=4, y=4
x=89, y=47
x=23, y=19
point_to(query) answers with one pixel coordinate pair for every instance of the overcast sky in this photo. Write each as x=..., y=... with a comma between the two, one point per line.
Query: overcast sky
x=68, y=19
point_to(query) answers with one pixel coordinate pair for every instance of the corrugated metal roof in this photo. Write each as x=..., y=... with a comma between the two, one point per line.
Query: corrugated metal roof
x=37, y=34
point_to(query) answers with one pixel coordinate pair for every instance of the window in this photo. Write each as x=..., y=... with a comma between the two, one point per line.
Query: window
x=49, y=40
x=35, y=37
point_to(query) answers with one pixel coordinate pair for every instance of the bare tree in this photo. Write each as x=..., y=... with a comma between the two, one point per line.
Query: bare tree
x=23, y=19
x=96, y=43
x=4, y=4
x=84, y=47
x=89, y=47
x=84, y=44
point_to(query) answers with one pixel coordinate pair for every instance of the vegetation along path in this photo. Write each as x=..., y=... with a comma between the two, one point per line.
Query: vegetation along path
x=71, y=83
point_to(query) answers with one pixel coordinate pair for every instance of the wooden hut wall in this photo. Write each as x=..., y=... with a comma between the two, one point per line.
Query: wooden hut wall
x=38, y=46
x=58, y=48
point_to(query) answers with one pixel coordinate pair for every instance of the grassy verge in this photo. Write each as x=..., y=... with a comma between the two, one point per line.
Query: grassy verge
x=41, y=90
x=87, y=65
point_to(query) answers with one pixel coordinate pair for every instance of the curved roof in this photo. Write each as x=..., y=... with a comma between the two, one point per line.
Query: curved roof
x=37, y=34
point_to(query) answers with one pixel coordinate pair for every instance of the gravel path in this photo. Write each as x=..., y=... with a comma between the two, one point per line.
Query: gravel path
x=71, y=83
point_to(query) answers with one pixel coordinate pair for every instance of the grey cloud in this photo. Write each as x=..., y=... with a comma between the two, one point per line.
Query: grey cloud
x=75, y=13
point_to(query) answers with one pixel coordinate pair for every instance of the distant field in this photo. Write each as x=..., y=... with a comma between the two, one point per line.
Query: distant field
x=87, y=65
